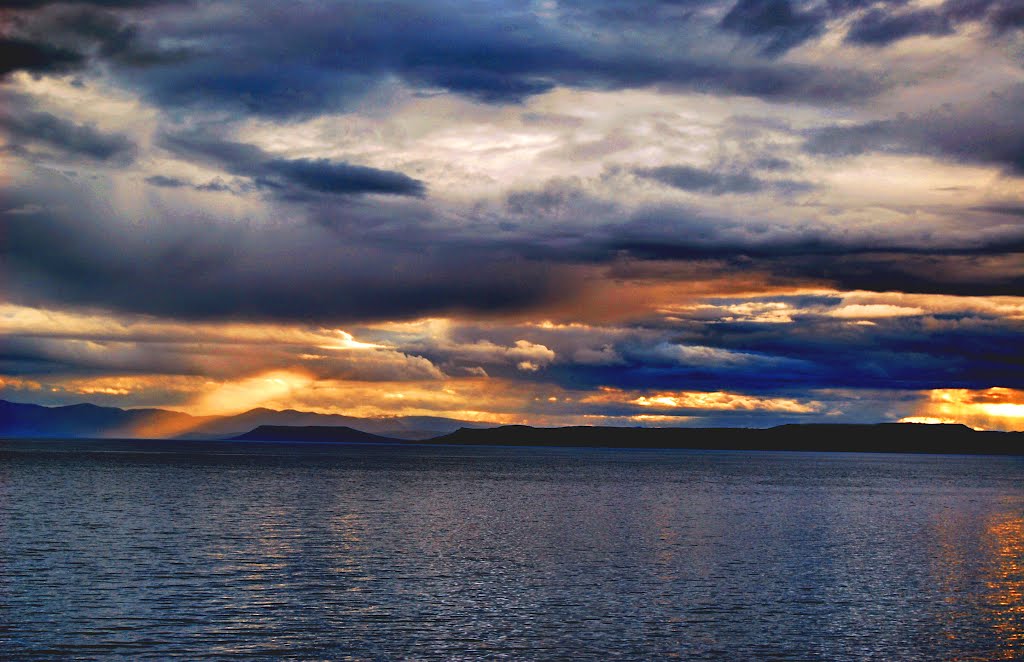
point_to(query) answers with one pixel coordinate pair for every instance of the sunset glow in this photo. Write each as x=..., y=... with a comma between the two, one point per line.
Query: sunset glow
x=538, y=212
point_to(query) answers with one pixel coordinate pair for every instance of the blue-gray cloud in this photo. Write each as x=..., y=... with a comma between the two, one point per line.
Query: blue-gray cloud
x=26, y=55
x=320, y=58
x=702, y=180
x=293, y=177
x=988, y=131
x=778, y=24
x=167, y=182
x=26, y=127
x=879, y=27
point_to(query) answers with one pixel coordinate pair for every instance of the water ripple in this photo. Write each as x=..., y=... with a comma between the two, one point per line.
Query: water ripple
x=143, y=550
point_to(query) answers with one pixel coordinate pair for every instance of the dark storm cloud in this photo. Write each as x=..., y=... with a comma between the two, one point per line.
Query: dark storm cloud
x=704, y=352
x=167, y=182
x=180, y=352
x=780, y=25
x=689, y=178
x=924, y=351
x=66, y=37
x=653, y=12
x=1007, y=15
x=326, y=176
x=879, y=27
x=188, y=265
x=988, y=132
x=319, y=58
x=991, y=270
x=114, y=4
x=776, y=23
x=1007, y=210
x=561, y=222
x=293, y=177
x=26, y=55
x=905, y=353
x=999, y=15
x=977, y=260
x=215, y=185
x=218, y=185
x=40, y=356
x=25, y=126
x=477, y=61
x=391, y=261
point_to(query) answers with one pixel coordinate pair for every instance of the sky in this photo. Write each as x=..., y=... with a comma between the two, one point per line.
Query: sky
x=602, y=212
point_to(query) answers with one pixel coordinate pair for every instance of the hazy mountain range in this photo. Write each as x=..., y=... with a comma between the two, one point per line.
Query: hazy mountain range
x=92, y=421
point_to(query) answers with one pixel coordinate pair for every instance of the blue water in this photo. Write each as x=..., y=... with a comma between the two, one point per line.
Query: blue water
x=154, y=550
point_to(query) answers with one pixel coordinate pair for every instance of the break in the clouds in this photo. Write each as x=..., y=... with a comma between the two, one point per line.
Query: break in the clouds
x=736, y=212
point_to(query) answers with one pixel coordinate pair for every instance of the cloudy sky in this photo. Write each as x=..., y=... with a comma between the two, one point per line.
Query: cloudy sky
x=609, y=212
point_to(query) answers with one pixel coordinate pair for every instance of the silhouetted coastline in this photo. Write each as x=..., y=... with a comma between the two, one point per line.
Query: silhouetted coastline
x=878, y=438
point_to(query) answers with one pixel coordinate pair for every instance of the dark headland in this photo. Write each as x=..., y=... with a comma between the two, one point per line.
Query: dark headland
x=319, y=433
x=878, y=438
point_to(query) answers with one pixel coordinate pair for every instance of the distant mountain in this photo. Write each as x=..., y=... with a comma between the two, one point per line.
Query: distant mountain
x=91, y=421
x=319, y=433
x=399, y=427
x=879, y=438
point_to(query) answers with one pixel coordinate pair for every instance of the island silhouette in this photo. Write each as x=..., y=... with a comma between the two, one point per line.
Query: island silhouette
x=86, y=421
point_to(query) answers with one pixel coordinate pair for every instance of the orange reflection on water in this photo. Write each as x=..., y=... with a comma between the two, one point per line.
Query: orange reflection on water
x=1006, y=584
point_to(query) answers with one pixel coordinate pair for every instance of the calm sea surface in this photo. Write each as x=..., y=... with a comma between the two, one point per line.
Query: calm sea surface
x=150, y=549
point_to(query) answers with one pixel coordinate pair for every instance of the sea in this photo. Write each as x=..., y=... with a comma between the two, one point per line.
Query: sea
x=239, y=550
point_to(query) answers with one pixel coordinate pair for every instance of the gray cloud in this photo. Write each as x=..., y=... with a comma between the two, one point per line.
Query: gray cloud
x=233, y=62
x=167, y=182
x=62, y=37
x=989, y=132
x=397, y=260
x=701, y=180
x=777, y=24
x=879, y=27
x=269, y=269
x=1004, y=209
x=293, y=177
x=25, y=126
x=26, y=55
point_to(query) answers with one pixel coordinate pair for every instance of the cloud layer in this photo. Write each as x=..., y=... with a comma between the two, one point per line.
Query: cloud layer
x=731, y=211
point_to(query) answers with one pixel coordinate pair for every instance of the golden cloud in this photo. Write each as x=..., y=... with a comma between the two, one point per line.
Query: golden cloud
x=989, y=409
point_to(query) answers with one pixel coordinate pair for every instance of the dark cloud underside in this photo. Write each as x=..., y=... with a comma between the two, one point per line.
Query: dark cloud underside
x=988, y=131
x=40, y=128
x=320, y=58
x=294, y=176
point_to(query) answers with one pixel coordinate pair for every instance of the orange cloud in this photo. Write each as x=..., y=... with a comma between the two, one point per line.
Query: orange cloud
x=18, y=384
x=989, y=409
x=708, y=400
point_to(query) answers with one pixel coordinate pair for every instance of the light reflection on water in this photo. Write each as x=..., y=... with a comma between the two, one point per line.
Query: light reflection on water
x=116, y=549
x=1006, y=579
